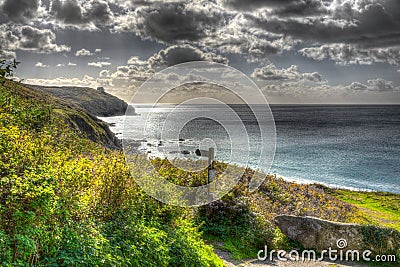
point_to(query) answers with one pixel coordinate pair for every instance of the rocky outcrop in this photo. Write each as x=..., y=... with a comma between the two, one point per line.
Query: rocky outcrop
x=318, y=234
x=96, y=102
x=314, y=233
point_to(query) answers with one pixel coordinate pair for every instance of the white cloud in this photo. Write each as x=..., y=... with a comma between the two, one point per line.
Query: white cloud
x=374, y=91
x=39, y=40
x=29, y=38
x=349, y=54
x=86, y=81
x=137, y=61
x=104, y=73
x=238, y=36
x=272, y=73
x=381, y=85
x=99, y=64
x=86, y=53
x=83, y=53
x=7, y=55
x=41, y=65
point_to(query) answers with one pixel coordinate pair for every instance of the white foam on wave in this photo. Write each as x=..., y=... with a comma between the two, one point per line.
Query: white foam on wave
x=330, y=185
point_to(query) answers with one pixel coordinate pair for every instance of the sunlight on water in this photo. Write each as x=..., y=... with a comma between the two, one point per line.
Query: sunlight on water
x=352, y=147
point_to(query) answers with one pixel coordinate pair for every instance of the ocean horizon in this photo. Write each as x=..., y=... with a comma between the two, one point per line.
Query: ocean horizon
x=345, y=146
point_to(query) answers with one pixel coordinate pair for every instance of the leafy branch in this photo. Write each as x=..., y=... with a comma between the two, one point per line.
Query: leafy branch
x=7, y=69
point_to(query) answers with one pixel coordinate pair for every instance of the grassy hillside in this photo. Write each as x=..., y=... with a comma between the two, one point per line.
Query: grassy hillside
x=378, y=208
x=67, y=199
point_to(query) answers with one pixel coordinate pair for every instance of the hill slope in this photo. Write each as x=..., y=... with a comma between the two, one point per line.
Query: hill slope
x=68, y=201
x=77, y=117
x=95, y=102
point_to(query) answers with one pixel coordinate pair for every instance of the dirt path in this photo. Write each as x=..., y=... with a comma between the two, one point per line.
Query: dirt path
x=226, y=257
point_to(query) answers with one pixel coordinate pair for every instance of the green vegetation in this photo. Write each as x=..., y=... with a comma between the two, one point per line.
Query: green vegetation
x=6, y=69
x=382, y=240
x=95, y=102
x=377, y=208
x=67, y=199
x=244, y=222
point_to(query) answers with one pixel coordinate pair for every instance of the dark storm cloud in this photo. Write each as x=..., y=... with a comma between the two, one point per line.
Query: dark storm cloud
x=8, y=39
x=100, y=12
x=184, y=53
x=292, y=8
x=39, y=40
x=372, y=25
x=71, y=12
x=20, y=11
x=34, y=38
x=285, y=24
x=300, y=8
x=171, y=22
x=254, y=4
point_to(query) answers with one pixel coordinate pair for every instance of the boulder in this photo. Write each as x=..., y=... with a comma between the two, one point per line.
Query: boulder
x=318, y=234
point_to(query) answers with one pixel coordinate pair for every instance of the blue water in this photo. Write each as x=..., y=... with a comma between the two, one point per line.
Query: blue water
x=355, y=147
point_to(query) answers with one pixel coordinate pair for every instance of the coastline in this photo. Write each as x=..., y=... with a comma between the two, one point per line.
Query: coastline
x=299, y=181
x=95, y=192
x=369, y=214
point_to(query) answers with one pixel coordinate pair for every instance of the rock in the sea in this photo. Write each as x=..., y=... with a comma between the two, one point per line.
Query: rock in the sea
x=318, y=234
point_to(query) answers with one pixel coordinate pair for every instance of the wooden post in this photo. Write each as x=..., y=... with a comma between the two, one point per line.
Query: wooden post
x=211, y=171
x=210, y=156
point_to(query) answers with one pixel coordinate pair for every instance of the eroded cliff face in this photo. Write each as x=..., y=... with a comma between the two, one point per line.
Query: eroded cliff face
x=94, y=128
x=96, y=102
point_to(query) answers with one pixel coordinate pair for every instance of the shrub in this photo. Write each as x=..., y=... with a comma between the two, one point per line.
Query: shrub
x=67, y=201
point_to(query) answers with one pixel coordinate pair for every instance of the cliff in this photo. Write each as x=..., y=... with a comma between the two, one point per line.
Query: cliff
x=79, y=114
x=95, y=102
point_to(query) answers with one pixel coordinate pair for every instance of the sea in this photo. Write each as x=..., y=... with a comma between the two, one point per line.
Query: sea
x=354, y=147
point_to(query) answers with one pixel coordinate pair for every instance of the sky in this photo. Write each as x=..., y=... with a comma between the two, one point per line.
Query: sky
x=296, y=51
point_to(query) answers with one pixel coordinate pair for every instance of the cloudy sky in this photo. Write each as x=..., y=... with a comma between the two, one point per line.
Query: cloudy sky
x=297, y=51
